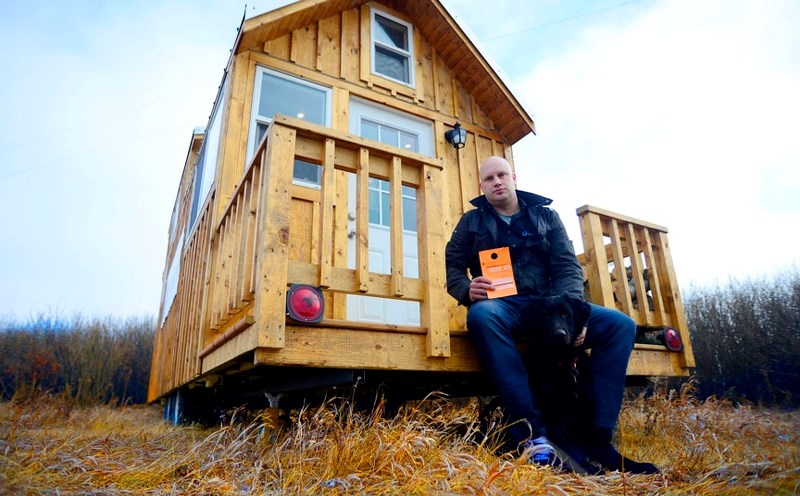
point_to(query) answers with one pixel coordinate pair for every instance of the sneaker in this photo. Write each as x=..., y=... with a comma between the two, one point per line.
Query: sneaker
x=541, y=452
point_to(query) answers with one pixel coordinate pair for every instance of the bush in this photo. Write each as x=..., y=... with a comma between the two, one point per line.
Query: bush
x=746, y=339
x=93, y=361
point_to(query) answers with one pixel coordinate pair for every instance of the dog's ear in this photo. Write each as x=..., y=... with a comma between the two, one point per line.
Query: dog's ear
x=581, y=310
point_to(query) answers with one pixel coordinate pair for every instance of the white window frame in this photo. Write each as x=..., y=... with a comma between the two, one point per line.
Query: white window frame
x=408, y=54
x=256, y=119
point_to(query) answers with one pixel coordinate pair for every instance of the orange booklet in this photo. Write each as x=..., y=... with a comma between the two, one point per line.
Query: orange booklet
x=496, y=265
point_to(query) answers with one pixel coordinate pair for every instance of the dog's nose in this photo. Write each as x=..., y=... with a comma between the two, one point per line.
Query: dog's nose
x=561, y=334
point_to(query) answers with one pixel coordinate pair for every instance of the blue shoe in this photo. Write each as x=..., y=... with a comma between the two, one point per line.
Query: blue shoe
x=541, y=452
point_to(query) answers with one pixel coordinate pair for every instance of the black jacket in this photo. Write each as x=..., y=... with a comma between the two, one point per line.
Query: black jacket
x=542, y=255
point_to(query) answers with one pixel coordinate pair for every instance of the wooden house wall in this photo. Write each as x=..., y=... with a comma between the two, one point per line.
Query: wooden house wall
x=333, y=52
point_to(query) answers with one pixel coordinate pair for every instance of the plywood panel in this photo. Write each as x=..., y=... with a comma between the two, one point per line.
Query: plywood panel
x=329, y=38
x=304, y=46
x=279, y=47
x=351, y=45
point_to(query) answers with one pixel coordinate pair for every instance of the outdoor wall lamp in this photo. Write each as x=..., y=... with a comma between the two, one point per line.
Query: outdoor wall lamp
x=456, y=136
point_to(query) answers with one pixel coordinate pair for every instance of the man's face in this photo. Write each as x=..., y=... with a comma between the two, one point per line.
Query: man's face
x=498, y=183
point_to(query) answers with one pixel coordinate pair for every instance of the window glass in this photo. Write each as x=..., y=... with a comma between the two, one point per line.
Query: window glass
x=409, y=209
x=409, y=142
x=392, y=48
x=391, y=64
x=391, y=33
x=369, y=130
x=389, y=136
x=307, y=172
x=283, y=94
x=374, y=207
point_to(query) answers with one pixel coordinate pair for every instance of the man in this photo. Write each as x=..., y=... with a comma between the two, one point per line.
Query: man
x=544, y=263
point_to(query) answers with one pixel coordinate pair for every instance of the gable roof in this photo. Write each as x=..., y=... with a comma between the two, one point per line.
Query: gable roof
x=436, y=25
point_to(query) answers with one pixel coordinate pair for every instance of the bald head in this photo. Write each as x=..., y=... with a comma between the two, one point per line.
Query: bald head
x=499, y=184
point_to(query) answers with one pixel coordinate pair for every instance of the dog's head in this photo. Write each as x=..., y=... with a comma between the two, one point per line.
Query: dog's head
x=557, y=320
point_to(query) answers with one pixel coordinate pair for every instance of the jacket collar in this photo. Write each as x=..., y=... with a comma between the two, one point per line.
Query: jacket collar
x=525, y=198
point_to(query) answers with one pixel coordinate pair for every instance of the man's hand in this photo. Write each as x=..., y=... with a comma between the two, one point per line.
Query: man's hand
x=478, y=288
x=579, y=340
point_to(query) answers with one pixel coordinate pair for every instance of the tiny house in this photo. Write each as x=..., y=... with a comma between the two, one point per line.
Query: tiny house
x=342, y=147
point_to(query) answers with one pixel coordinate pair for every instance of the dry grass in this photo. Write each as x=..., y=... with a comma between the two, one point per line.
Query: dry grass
x=708, y=448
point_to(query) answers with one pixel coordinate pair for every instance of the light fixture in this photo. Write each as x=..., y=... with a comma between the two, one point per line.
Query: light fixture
x=305, y=303
x=456, y=136
x=672, y=339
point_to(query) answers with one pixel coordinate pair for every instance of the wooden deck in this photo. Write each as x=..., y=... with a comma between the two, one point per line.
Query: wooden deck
x=229, y=313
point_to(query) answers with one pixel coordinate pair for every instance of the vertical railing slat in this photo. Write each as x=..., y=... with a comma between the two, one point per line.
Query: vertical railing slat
x=619, y=266
x=244, y=243
x=636, y=272
x=396, y=223
x=362, y=221
x=327, y=194
x=668, y=278
x=658, y=301
x=597, y=272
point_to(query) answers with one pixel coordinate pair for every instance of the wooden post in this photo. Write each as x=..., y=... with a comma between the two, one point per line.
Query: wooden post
x=327, y=193
x=273, y=246
x=396, y=233
x=434, y=307
x=597, y=266
x=678, y=315
x=362, y=221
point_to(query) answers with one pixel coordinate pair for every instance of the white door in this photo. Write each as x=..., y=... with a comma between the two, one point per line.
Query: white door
x=396, y=129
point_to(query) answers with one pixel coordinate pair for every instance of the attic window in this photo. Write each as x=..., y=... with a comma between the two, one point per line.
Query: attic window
x=392, y=48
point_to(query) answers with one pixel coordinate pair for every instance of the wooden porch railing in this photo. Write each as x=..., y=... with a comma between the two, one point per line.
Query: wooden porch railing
x=252, y=259
x=629, y=266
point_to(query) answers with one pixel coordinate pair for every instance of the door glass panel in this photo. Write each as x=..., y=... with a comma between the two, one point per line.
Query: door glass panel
x=409, y=209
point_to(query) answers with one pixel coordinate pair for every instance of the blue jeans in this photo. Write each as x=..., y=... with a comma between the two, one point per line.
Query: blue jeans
x=494, y=326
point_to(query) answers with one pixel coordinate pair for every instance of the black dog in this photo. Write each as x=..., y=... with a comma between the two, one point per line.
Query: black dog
x=560, y=377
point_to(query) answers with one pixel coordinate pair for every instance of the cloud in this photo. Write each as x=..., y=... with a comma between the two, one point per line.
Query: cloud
x=684, y=116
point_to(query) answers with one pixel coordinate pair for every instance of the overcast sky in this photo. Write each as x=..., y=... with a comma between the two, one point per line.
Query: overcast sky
x=683, y=113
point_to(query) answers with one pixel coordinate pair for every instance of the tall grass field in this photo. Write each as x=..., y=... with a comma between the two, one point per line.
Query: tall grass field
x=48, y=446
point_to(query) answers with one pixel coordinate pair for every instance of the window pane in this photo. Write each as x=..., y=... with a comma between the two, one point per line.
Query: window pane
x=369, y=130
x=389, y=136
x=391, y=64
x=391, y=33
x=385, y=218
x=282, y=96
x=304, y=171
x=374, y=207
x=261, y=129
x=409, y=142
x=410, y=214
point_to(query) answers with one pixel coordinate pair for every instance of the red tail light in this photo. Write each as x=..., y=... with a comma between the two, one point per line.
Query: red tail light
x=305, y=303
x=672, y=339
